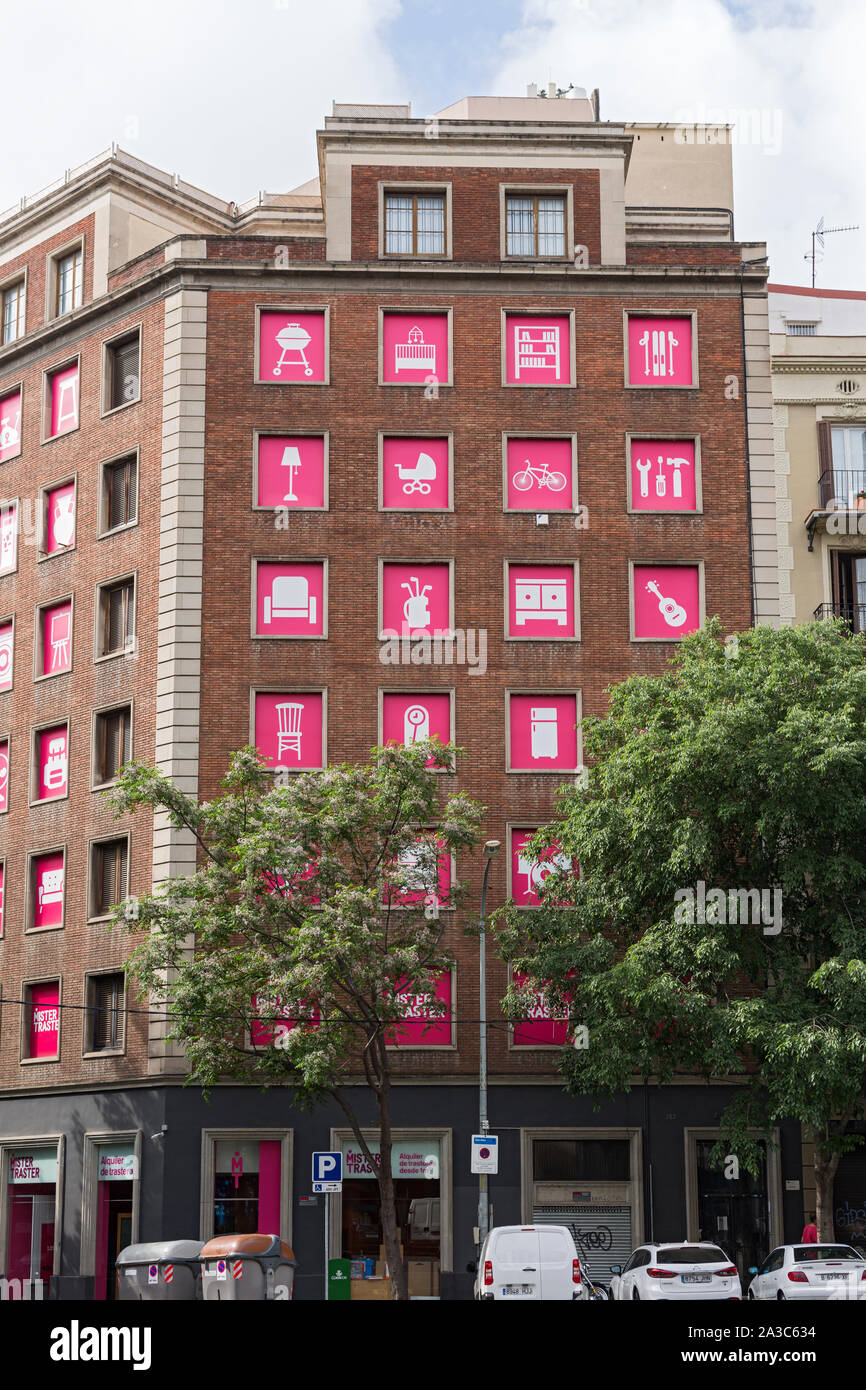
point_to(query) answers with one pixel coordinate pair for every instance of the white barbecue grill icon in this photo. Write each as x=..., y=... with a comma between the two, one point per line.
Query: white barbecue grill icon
x=293, y=339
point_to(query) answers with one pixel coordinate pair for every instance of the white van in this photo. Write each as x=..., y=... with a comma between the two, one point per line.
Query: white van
x=528, y=1264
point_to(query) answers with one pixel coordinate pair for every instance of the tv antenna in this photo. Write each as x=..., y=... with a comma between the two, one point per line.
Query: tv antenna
x=818, y=242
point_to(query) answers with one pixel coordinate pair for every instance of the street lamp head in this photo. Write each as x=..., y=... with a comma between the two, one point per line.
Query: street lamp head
x=491, y=847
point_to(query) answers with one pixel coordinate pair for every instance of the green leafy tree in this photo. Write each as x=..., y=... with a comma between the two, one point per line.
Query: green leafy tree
x=314, y=907
x=742, y=769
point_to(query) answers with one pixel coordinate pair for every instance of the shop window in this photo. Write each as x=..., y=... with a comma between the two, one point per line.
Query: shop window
x=112, y=743
x=109, y=869
x=415, y=1167
x=53, y=653
x=122, y=380
x=31, y=1204
x=12, y=301
x=105, y=1013
x=581, y=1160
x=68, y=280
x=115, y=626
x=246, y=1186
x=119, y=500
x=42, y=1021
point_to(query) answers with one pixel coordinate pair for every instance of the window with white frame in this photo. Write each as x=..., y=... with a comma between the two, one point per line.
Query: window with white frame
x=12, y=305
x=69, y=281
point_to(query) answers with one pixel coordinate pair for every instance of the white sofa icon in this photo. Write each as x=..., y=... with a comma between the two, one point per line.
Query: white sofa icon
x=290, y=597
x=50, y=887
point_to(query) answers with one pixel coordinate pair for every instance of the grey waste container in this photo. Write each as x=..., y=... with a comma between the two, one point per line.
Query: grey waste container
x=162, y=1271
x=258, y=1268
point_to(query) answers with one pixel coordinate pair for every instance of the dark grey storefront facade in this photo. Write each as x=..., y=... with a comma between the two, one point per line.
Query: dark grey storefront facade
x=636, y=1168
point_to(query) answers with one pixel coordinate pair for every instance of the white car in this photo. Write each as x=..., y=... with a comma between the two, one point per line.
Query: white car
x=674, y=1270
x=810, y=1271
x=526, y=1264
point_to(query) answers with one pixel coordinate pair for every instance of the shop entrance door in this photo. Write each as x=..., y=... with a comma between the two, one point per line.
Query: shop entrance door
x=119, y=1238
x=733, y=1212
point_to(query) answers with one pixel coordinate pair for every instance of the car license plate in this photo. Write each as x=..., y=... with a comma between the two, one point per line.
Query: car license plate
x=518, y=1289
x=841, y=1275
x=695, y=1278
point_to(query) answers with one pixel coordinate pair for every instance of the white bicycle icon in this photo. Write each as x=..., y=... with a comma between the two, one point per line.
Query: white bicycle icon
x=541, y=475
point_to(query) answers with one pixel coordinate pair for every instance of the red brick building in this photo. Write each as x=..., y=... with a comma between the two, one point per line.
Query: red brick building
x=510, y=362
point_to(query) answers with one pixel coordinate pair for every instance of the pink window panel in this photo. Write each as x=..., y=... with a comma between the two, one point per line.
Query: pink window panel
x=409, y=719
x=538, y=1028
x=63, y=388
x=270, y=1165
x=7, y=634
x=10, y=426
x=288, y=728
x=541, y=601
x=415, y=474
x=274, y=1018
x=537, y=350
x=53, y=756
x=539, y=475
x=290, y=599
x=292, y=346
x=542, y=733
x=48, y=890
x=56, y=638
x=9, y=539
x=291, y=471
x=45, y=1020
x=59, y=518
x=421, y=1027
x=528, y=874
x=413, y=864
x=414, y=348
x=663, y=475
x=666, y=601
x=276, y=882
x=659, y=351
x=2, y=895
x=416, y=599
x=4, y=775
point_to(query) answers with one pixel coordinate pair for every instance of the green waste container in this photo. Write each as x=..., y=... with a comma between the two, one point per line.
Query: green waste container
x=253, y=1268
x=339, y=1281
x=162, y=1271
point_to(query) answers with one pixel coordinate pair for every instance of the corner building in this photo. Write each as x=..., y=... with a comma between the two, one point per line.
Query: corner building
x=503, y=373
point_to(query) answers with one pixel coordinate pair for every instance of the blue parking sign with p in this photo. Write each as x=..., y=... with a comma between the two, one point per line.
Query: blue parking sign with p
x=328, y=1167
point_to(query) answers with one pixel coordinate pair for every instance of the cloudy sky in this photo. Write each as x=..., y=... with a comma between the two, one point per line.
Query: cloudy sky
x=229, y=94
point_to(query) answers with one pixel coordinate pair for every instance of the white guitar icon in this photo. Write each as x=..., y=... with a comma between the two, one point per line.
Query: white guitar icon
x=673, y=613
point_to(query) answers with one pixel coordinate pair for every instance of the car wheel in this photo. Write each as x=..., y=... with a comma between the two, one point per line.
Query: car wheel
x=635, y=1298
x=750, y=1297
x=780, y=1297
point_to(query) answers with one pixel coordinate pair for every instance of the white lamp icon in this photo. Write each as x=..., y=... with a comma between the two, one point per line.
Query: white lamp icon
x=292, y=460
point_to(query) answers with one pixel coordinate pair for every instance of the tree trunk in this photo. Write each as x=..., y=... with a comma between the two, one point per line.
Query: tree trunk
x=396, y=1262
x=825, y=1171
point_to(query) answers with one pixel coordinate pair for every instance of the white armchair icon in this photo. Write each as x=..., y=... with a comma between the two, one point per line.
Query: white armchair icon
x=50, y=887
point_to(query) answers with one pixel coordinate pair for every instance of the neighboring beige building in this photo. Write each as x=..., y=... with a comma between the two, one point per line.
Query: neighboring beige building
x=818, y=347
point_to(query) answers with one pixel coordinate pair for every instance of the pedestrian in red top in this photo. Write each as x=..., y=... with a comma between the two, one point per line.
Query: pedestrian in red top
x=810, y=1230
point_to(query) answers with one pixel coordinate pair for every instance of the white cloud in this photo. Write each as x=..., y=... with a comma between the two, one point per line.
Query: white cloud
x=657, y=63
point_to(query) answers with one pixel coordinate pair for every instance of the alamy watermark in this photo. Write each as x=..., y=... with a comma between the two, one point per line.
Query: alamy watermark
x=760, y=126
x=456, y=647
x=730, y=907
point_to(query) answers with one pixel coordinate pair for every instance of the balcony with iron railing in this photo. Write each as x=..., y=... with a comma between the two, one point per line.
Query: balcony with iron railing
x=853, y=613
x=841, y=496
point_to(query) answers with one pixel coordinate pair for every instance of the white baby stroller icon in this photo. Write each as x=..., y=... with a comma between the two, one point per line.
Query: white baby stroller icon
x=293, y=339
x=419, y=478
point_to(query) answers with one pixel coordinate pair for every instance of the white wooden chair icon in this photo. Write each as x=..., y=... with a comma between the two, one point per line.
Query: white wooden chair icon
x=289, y=729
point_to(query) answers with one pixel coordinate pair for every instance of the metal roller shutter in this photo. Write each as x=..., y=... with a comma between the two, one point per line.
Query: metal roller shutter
x=602, y=1234
x=849, y=1192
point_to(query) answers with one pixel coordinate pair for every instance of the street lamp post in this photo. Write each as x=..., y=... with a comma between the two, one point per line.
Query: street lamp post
x=490, y=849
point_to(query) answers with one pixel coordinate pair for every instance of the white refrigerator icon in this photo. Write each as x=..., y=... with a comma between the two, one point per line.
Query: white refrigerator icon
x=544, y=741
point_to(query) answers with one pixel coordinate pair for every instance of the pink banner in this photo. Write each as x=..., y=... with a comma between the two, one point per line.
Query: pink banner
x=288, y=728
x=64, y=400
x=59, y=518
x=48, y=887
x=275, y=1019
x=663, y=475
x=415, y=599
x=53, y=762
x=666, y=601
x=414, y=348
x=9, y=538
x=277, y=883
x=10, y=425
x=539, y=475
x=422, y=1028
x=292, y=346
x=539, y=1028
x=57, y=638
x=2, y=892
x=4, y=775
x=415, y=473
x=528, y=874
x=537, y=350
x=291, y=471
x=659, y=351
x=6, y=655
x=543, y=733
x=290, y=599
x=415, y=866
x=45, y=1020
x=541, y=601
x=409, y=719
